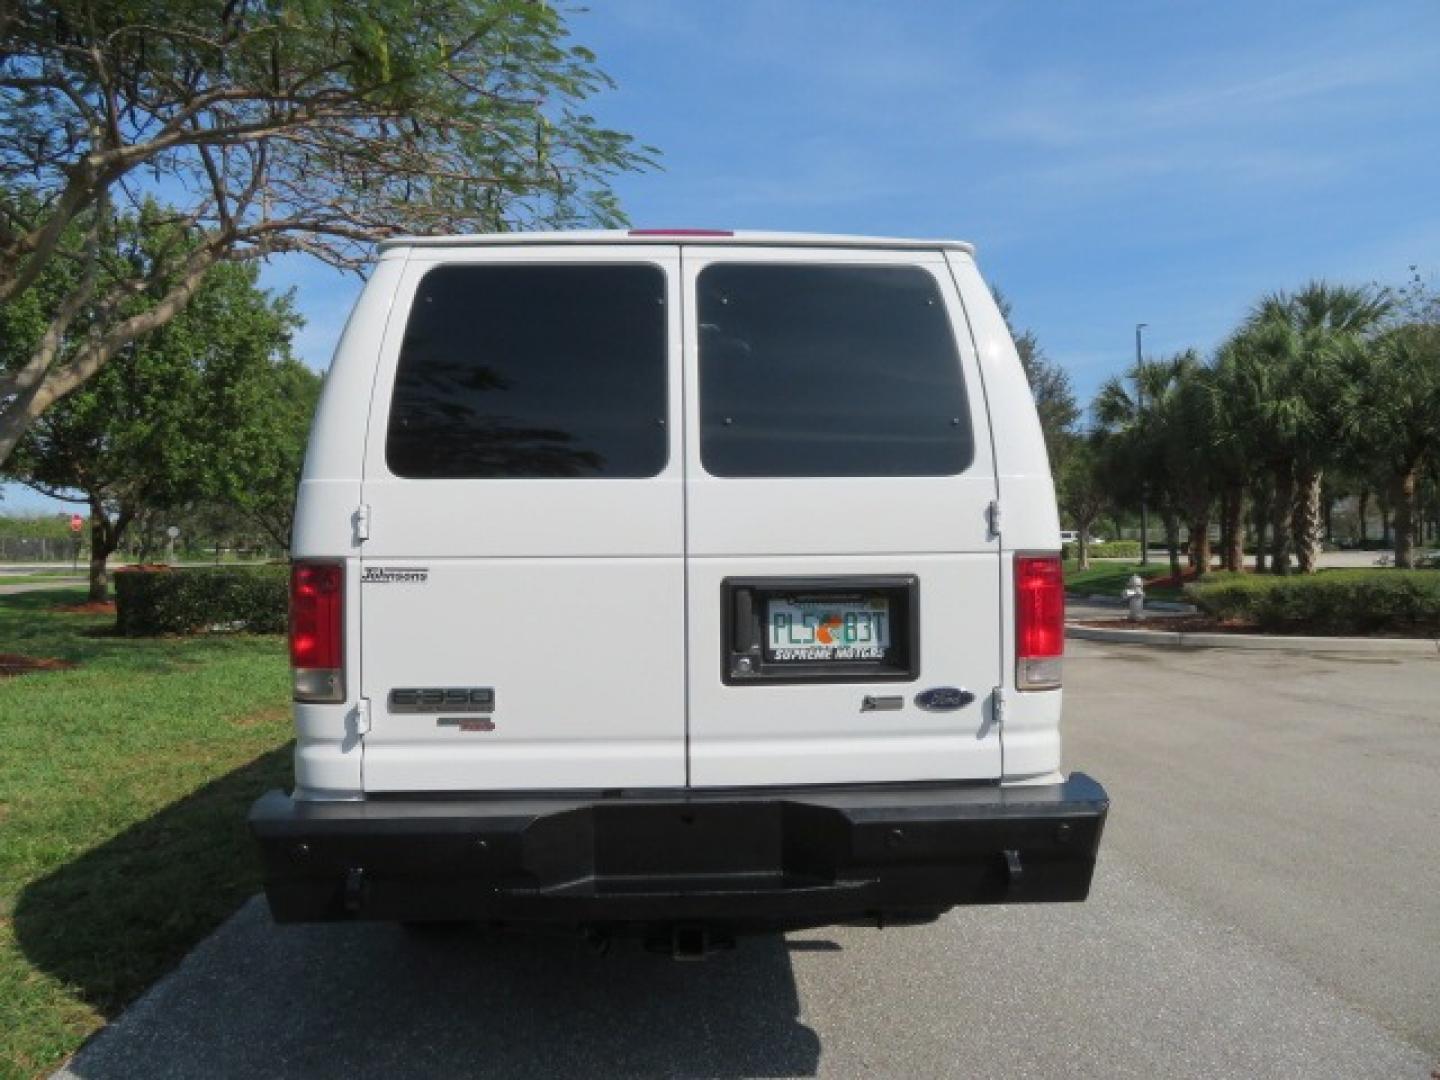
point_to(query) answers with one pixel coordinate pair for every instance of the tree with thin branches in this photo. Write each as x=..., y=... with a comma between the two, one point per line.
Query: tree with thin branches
x=270, y=127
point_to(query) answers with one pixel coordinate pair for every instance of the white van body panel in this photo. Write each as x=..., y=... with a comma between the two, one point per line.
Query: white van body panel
x=1030, y=521
x=601, y=717
x=505, y=559
x=328, y=741
x=934, y=527
x=335, y=456
x=691, y=238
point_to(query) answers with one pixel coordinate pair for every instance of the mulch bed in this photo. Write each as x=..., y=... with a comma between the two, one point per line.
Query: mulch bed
x=1204, y=624
x=1186, y=624
x=90, y=607
x=1172, y=581
x=18, y=664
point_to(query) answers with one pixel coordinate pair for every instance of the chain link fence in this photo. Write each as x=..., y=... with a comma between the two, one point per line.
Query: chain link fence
x=40, y=549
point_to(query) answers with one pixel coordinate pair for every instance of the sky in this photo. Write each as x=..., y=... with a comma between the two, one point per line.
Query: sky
x=1114, y=163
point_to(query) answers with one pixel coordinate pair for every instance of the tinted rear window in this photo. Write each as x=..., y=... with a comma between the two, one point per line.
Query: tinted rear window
x=828, y=371
x=532, y=371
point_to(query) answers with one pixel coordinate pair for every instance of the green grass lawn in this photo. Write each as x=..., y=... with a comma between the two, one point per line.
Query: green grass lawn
x=1110, y=578
x=124, y=783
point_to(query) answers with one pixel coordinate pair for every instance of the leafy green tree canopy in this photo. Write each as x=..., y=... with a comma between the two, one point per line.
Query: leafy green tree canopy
x=1050, y=385
x=271, y=126
x=172, y=418
x=1083, y=486
x=260, y=470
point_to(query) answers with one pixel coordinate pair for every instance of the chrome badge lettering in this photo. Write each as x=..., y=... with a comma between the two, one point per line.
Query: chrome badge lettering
x=388, y=575
x=453, y=699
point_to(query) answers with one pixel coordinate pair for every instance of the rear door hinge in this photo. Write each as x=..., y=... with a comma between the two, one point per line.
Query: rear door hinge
x=998, y=708
x=361, y=520
x=992, y=514
x=362, y=716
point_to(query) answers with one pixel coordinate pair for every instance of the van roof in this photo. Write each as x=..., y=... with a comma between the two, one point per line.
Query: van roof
x=675, y=236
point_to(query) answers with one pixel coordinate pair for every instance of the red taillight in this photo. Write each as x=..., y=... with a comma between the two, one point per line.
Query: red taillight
x=317, y=611
x=1039, y=621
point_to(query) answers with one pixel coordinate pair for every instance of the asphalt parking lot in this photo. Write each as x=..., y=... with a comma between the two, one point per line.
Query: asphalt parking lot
x=1267, y=904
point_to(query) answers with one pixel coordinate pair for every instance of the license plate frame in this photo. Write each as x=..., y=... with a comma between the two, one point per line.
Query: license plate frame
x=750, y=658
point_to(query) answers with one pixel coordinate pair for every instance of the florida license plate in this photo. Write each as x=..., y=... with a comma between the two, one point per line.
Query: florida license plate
x=803, y=629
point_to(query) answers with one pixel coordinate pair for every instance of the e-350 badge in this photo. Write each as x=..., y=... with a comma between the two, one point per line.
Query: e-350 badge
x=394, y=575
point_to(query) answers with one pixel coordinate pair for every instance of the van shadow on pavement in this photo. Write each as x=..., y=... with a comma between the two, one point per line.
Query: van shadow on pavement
x=360, y=1000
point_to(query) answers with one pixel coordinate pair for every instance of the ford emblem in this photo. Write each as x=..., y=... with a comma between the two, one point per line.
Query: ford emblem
x=943, y=698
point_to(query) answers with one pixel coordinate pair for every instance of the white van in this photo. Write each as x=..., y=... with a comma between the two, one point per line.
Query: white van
x=683, y=580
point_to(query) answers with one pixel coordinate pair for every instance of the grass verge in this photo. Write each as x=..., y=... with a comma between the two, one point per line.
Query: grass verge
x=1109, y=579
x=123, y=789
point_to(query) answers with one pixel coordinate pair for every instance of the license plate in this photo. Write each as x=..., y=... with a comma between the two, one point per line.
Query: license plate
x=830, y=628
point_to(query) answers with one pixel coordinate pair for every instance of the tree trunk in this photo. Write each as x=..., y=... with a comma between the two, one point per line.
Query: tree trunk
x=99, y=574
x=100, y=548
x=1082, y=541
x=1259, y=517
x=1306, y=519
x=1280, y=500
x=1200, y=544
x=1405, y=519
x=1172, y=541
x=105, y=537
x=1232, y=528
x=1363, y=506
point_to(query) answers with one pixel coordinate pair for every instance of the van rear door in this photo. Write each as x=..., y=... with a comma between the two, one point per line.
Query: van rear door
x=844, y=616
x=522, y=584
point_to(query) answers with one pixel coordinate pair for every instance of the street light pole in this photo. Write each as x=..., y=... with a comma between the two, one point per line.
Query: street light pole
x=1139, y=412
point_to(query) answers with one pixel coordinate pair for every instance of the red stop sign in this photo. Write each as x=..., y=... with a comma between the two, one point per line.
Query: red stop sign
x=76, y=523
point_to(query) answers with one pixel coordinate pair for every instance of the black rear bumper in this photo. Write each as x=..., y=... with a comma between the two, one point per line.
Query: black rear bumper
x=772, y=857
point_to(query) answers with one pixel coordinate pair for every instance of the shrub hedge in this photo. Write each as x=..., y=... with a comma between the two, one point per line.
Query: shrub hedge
x=1347, y=602
x=1113, y=549
x=161, y=600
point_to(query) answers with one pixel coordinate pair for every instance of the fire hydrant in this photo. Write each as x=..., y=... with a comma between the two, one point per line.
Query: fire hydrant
x=1134, y=595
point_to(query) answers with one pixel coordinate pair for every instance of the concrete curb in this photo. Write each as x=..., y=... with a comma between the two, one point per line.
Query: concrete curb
x=1178, y=639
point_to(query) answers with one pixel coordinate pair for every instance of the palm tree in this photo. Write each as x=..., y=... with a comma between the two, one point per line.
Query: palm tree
x=1306, y=336
x=1234, y=444
x=1253, y=446
x=1190, y=448
x=1397, y=420
x=1165, y=443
